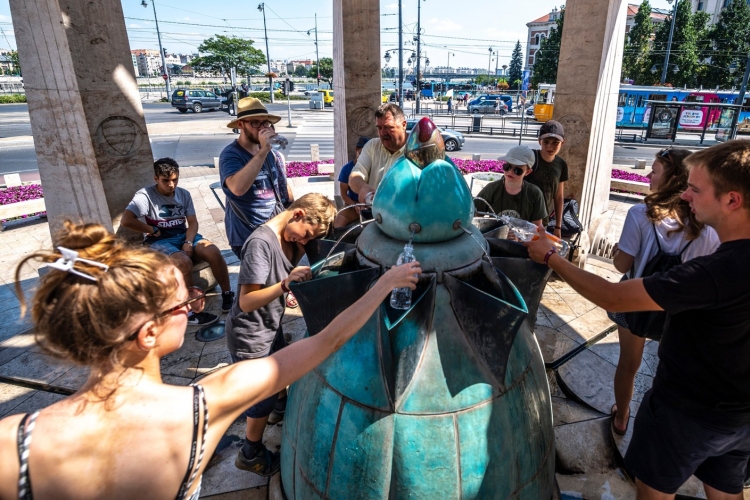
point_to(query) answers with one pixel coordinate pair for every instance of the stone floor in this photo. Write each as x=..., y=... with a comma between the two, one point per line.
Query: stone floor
x=588, y=462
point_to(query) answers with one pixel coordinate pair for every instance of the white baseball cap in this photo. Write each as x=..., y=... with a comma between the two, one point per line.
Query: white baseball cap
x=519, y=155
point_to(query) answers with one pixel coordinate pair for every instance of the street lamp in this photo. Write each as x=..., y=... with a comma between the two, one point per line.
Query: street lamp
x=387, y=57
x=505, y=66
x=489, y=63
x=144, y=4
x=262, y=8
x=669, y=43
x=419, y=40
x=317, y=57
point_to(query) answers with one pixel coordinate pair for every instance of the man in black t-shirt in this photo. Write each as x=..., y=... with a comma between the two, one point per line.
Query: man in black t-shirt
x=696, y=417
x=550, y=171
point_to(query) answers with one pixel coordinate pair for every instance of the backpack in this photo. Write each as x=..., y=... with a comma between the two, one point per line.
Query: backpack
x=570, y=223
x=650, y=324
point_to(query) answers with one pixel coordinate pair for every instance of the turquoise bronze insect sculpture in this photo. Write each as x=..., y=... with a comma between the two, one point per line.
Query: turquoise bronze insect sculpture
x=447, y=399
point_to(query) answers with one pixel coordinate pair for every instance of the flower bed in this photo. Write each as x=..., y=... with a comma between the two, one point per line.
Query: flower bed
x=18, y=194
x=628, y=176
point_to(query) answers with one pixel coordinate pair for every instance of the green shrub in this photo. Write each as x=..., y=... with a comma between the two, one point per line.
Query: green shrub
x=12, y=98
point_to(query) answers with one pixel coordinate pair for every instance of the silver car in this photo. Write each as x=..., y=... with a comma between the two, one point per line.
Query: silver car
x=453, y=140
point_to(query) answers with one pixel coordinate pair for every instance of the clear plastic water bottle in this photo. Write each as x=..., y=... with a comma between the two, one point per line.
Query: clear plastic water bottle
x=279, y=142
x=369, y=197
x=526, y=231
x=401, y=297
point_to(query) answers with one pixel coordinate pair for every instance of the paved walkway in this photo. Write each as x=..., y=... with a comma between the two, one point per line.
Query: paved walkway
x=588, y=464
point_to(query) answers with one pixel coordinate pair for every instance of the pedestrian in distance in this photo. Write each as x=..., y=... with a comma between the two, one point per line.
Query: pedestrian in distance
x=165, y=215
x=118, y=310
x=450, y=104
x=664, y=221
x=695, y=420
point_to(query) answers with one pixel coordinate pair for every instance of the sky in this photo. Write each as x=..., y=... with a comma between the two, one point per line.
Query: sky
x=465, y=31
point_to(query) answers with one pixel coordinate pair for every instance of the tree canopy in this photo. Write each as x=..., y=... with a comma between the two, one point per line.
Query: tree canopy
x=222, y=53
x=516, y=63
x=548, y=55
x=636, y=60
x=300, y=70
x=326, y=70
x=729, y=43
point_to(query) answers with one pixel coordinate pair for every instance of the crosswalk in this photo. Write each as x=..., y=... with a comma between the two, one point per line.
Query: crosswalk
x=315, y=129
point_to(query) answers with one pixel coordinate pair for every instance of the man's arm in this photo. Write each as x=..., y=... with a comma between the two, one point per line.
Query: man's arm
x=625, y=296
x=239, y=183
x=559, y=199
x=192, y=230
x=130, y=221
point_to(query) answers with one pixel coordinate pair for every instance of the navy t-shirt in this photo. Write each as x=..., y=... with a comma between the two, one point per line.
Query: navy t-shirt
x=346, y=170
x=704, y=354
x=259, y=203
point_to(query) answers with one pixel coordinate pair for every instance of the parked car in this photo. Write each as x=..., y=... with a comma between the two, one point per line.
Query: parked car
x=453, y=140
x=194, y=99
x=408, y=96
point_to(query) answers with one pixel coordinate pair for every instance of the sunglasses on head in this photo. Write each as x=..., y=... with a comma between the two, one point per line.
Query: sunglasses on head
x=195, y=302
x=516, y=170
x=664, y=152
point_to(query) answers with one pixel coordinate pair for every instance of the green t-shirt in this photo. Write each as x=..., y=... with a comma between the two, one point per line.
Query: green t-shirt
x=547, y=176
x=528, y=204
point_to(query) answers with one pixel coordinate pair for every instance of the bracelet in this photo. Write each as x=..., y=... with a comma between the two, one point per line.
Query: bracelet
x=558, y=227
x=189, y=243
x=284, y=287
x=548, y=255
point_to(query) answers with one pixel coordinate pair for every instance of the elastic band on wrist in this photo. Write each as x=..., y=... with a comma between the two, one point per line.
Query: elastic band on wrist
x=548, y=255
x=284, y=287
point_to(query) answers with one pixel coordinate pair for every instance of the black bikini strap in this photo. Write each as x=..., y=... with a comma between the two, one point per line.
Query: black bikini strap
x=193, y=446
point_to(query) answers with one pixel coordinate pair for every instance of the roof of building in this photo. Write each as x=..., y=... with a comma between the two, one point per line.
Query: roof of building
x=656, y=14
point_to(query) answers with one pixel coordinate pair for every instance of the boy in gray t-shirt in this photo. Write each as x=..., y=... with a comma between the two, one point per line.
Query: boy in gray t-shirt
x=164, y=213
x=253, y=325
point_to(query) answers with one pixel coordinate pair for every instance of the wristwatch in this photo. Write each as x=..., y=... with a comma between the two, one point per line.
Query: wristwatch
x=188, y=242
x=155, y=229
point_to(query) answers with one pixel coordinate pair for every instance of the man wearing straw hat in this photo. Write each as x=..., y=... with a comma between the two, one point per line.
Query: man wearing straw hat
x=253, y=176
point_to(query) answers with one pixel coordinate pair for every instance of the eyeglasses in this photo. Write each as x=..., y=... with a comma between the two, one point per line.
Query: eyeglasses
x=516, y=170
x=263, y=124
x=196, y=302
x=664, y=152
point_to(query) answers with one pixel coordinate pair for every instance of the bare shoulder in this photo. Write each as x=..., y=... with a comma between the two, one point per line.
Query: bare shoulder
x=9, y=455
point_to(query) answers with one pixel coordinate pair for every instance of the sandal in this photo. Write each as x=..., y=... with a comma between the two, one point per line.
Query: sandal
x=291, y=301
x=612, y=413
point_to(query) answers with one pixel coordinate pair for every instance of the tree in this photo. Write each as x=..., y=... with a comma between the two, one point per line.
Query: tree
x=729, y=43
x=300, y=70
x=636, y=61
x=15, y=62
x=175, y=69
x=685, y=49
x=548, y=55
x=515, y=70
x=226, y=52
x=326, y=71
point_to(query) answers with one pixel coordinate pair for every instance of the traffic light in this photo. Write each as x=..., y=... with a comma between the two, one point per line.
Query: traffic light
x=291, y=86
x=165, y=51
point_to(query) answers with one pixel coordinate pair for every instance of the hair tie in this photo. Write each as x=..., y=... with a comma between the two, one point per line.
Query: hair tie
x=68, y=260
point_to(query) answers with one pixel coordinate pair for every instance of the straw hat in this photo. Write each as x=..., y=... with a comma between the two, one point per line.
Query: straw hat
x=248, y=108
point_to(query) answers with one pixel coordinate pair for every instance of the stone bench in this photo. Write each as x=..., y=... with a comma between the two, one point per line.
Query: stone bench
x=630, y=186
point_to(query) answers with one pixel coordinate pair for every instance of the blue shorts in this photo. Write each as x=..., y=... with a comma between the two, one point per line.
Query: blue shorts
x=262, y=409
x=668, y=446
x=172, y=244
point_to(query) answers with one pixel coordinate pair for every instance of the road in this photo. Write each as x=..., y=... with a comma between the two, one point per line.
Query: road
x=312, y=127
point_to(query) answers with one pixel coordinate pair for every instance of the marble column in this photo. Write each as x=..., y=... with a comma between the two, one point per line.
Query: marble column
x=588, y=82
x=356, y=75
x=86, y=115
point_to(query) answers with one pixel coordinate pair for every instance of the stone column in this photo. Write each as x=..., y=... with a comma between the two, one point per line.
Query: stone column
x=588, y=82
x=356, y=74
x=86, y=115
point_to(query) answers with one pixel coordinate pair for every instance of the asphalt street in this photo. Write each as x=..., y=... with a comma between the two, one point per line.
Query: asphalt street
x=17, y=148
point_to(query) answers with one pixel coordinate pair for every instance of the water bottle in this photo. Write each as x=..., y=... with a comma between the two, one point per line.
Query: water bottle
x=369, y=197
x=526, y=231
x=401, y=297
x=279, y=142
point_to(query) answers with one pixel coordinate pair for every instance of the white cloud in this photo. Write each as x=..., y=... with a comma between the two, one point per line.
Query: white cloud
x=134, y=25
x=5, y=18
x=391, y=6
x=443, y=25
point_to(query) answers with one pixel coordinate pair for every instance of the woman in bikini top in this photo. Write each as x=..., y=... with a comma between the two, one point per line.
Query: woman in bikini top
x=118, y=310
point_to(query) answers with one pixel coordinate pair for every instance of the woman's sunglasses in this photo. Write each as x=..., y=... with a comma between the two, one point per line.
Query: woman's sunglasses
x=196, y=302
x=664, y=152
x=516, y=170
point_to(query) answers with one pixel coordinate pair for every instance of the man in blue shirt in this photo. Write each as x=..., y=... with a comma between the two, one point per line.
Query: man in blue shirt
x=350, y=197
x=253, y=176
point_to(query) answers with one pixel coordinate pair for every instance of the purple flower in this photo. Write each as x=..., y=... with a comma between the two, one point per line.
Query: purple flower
x=627, y=176
x=16, y=194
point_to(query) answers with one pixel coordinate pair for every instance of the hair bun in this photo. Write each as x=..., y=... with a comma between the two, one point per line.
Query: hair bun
x=91, y=240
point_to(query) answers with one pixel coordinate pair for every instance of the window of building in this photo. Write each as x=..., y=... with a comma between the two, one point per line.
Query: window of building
x=531, y=61
x=700, y=6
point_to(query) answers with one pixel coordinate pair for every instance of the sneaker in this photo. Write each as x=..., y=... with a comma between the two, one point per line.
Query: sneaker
x=202, y=319
x=227, y=299
x=265, y=463
x=277, y=415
